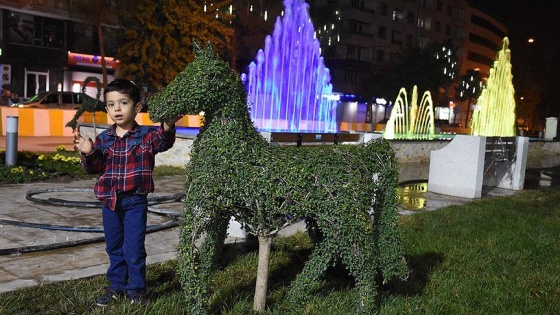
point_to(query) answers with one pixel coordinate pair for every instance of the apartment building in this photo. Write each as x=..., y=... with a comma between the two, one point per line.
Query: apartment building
x=367, y=34
x=45, y=46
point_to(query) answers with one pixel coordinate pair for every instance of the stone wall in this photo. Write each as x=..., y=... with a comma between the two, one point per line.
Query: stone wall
x=178, y=155
x=540, y=154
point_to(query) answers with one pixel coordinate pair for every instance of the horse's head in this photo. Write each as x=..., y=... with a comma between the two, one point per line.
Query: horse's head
x=208, y=85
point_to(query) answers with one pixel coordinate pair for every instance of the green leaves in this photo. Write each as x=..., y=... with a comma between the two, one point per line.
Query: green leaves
x=206, y=85
x=234, y=172
x=160, y=33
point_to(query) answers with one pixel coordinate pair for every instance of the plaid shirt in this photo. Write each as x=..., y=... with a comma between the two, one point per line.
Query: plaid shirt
x=126, y=163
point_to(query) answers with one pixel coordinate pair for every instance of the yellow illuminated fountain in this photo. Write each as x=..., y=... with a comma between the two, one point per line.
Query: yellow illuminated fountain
x=494, y=115
x=414, y=122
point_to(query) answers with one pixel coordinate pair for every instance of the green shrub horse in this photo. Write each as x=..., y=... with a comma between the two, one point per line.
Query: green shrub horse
x=346, y=193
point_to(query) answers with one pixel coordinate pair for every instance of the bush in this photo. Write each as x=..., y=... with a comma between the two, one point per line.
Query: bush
x=34, y=167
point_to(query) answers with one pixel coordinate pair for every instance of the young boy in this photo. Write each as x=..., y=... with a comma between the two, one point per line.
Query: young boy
x=124, y=155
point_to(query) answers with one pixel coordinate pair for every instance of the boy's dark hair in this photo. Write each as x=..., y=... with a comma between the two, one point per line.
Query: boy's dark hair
x=123, y=86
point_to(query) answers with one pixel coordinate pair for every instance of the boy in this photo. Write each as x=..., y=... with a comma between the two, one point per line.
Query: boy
x=124, y=155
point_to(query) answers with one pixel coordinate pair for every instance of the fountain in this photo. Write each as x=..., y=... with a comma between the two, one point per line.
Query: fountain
x=494, y=114
x=411, y=122
x=288, y=85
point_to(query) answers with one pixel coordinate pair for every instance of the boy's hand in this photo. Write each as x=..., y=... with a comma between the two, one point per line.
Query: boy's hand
x=173, y=120
x=170, y=123
x=82, y=144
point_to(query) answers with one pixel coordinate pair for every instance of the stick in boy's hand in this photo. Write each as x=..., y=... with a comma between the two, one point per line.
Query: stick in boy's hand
x=82, y=144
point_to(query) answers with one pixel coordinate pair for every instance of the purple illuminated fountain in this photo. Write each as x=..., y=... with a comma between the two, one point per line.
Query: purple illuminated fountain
x=288, y=85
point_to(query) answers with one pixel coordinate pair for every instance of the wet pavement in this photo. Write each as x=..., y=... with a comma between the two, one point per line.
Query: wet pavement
x=52, y=231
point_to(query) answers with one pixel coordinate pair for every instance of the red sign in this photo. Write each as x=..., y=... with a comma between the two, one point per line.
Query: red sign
x=92, y=61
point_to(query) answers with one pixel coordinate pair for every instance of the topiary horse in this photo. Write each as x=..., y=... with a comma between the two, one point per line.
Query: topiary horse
x=348, y=193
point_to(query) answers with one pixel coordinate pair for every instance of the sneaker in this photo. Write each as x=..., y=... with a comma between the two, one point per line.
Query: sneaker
x=109, y=295
x=138, y=298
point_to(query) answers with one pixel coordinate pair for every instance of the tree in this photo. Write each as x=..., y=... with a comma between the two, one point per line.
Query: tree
x=96, y=13
x=159, y=35
x=470, y=88
x=415, y=65
x=252, y=23
x=446, y=57
x=529, y=90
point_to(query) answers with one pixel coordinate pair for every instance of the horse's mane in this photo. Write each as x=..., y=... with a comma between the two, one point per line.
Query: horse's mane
x=208, y=84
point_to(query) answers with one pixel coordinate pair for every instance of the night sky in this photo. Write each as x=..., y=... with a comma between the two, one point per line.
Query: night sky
x=526, y=19
x=539, y=20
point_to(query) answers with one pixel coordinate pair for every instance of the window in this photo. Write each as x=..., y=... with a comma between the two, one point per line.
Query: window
x=398, y=15
x=437, y=27
x=382, y=32
x=83, y=41
x=52, y=99
x=449, y=10
x=78, y=98
x=21, y=28
x=351, y=76
x=353, y=52
x=409, y=40
x=53, y=31
x=396, y=37
x=410, y=17
x=383, y=9
x=354, y=27
x=35, y=30
x=380, y=55
x=459, y=33
x=447, y=30
x=67, y=98
x=439, y=5
x=357, y=4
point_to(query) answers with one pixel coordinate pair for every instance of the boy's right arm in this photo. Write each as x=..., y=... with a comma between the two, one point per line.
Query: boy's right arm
x=85, y=146
x=93, y=161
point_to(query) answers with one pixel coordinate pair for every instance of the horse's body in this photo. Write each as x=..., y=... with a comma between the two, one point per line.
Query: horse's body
x=234, y=171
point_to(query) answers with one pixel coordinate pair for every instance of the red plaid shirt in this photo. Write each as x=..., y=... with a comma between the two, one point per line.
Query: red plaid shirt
x=126, y=163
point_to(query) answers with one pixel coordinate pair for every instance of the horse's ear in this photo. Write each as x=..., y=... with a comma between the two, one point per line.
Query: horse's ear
x=196, y=48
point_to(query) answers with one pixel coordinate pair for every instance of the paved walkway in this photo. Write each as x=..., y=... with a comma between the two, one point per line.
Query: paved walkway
x=40, y=144
x=24, y=223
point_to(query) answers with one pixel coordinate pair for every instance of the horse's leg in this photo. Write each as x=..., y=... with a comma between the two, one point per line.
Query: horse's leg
x=212, y=247
x=360, y=257
x=316, y=265
x=198, y=249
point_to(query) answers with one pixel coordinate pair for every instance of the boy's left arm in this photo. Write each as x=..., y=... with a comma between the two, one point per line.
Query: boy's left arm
x=168, y=128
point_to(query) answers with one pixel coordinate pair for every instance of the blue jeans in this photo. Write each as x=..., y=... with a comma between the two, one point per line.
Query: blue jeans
x=125, y=235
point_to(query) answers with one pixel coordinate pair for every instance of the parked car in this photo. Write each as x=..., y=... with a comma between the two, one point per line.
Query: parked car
x=58, y=100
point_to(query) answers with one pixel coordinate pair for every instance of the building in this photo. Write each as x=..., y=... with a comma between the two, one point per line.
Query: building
x=366, y=34
x=46, y=46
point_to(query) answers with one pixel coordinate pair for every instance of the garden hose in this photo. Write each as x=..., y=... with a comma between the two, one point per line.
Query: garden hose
x=171, y=214
x=88, y=204
x=29, y=249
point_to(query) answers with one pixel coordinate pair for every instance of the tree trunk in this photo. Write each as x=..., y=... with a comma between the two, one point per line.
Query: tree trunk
x=468, y=110
x=102, y=52
x=261, y=287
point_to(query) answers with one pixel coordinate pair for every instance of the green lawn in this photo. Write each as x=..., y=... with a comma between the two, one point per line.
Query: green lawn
x=494, y=256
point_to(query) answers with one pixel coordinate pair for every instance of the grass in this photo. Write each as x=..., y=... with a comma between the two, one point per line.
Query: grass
x=493, y=256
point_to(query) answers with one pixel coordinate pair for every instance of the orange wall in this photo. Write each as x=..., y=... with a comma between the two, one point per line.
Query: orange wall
x=52, y=122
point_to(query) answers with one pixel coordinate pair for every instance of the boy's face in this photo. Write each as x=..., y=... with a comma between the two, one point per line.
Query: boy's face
x=121, y=109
